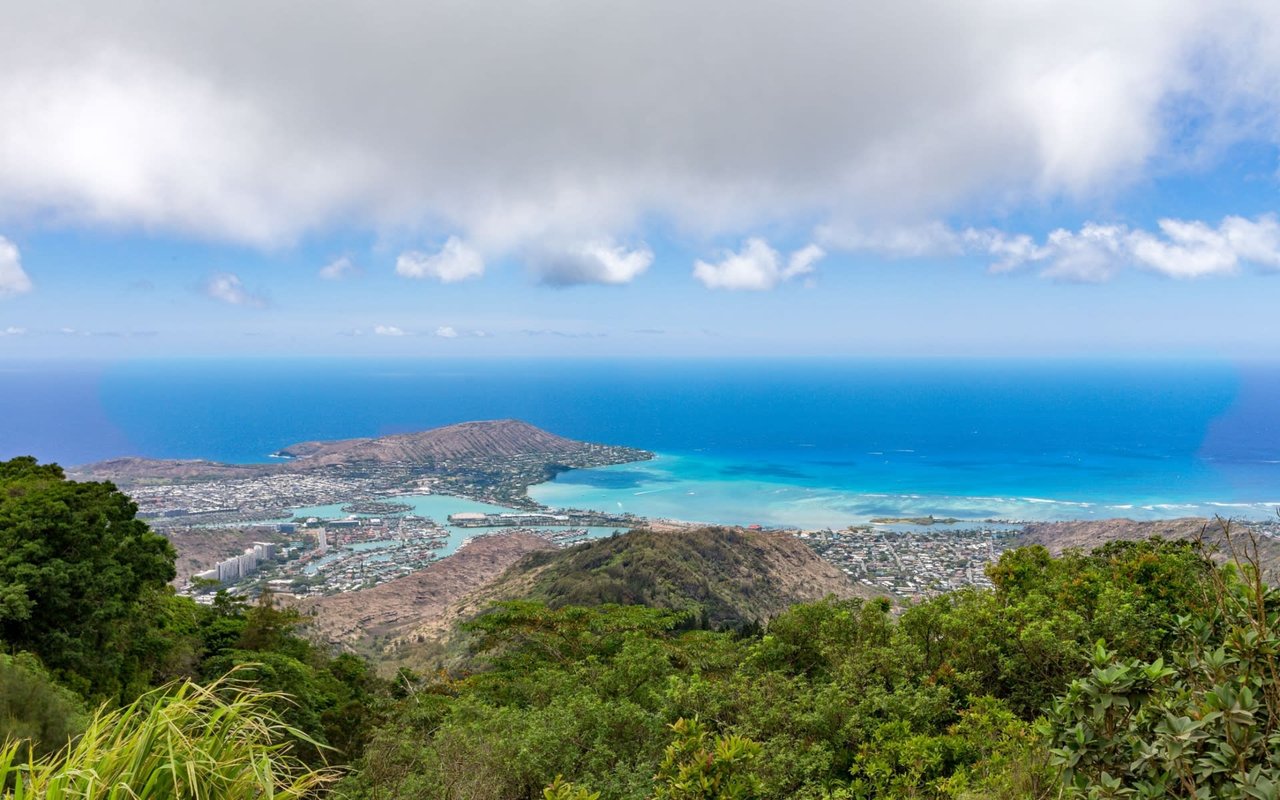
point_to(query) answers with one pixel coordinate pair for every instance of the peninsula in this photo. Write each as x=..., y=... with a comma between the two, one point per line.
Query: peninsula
x=493, y=461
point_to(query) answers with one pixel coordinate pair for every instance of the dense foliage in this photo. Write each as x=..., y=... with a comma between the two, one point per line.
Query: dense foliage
x=1203, y=724
x=1139, y=670
x=33, y=708
x=844, y=699
x=86, y=611
x=724, y=577
x=75, y=569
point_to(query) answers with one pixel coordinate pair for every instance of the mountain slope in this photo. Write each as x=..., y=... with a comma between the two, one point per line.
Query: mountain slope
x=487, y=439
x=1086, y=535
x=728, y=575
x=492, y=446
x=723, y=576
x=358, y=619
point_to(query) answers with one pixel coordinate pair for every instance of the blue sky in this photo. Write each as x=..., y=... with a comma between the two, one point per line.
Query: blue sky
x=655, y=178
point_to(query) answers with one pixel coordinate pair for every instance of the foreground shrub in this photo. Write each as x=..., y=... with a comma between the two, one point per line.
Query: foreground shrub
x=34, y=709
x=1204, y=723
x=217, y=742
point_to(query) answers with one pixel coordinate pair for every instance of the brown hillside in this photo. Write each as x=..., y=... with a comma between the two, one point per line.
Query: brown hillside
x=1085, y=536
x=139, y=470
x=489, y=439
x=357, y=619
x=723, y=576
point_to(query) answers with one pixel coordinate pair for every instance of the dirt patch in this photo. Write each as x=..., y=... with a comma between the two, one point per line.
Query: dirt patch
x=367, y=619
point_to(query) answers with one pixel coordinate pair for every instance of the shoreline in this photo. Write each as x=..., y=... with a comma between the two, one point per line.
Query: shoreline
x=679, y=486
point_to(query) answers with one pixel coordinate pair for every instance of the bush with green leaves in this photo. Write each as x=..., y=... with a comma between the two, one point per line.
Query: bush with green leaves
x=1203, y=723
x=34, y=709
x=698, y=766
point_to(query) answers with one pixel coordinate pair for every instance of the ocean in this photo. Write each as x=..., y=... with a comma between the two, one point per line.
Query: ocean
x=811, y=442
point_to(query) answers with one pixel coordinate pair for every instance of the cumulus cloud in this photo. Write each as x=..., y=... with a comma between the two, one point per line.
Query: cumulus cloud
x=597, y=261
x=756, y=267
x=388, y=330
x=1180, y=249
x=219, y=120
x=226, y=287
x=1193, y=249
x=339, y=268
x=1095, y=252
x=456, y=261
x=446, y=332
x=13, y=330
x=13, y=280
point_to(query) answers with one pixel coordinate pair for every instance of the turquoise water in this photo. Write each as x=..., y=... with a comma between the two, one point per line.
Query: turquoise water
x=705, y=489
x=804, y=441
x=437, y=507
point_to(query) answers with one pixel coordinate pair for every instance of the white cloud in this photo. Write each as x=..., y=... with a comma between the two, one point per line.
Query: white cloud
x=801, y=261
x=1009, y=250
x=13, y=330
x=1194, y=249
x=227, y=287
x=446, y=332
x=1094, y=253
x=339, y=268
x=933, y=240
x=897, y=241
x=596, y=261
x=456, y=261
x=13, y=280
x=756, y=267
x=388, y=330
x=218, y=120
x=1180, y=249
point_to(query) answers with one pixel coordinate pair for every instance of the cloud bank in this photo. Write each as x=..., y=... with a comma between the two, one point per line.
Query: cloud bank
x=560, y=121
x=1181, y=249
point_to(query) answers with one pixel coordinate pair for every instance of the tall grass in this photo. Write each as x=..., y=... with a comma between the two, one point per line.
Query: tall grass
x=180, y=742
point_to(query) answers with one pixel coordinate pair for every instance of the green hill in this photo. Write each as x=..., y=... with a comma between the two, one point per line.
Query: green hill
x=728, y=576
x=724, y=577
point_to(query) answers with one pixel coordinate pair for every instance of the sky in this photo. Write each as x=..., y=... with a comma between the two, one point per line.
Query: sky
x=640, y=177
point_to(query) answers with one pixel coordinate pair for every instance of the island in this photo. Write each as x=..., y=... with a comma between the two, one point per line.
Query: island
x=929, y=520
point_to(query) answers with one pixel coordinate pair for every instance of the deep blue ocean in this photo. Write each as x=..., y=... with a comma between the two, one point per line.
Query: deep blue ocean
x=802, y=441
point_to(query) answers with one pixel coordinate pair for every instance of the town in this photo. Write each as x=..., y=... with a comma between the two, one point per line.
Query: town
x=329, y=556
x=914, y=562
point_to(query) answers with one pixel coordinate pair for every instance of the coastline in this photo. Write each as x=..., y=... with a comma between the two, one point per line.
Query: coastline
x=718, y=491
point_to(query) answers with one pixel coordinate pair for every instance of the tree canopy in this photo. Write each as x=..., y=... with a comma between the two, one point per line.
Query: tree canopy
x=75, y=566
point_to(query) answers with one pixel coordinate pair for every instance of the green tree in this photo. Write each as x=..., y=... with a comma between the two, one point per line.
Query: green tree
x=75, y=565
